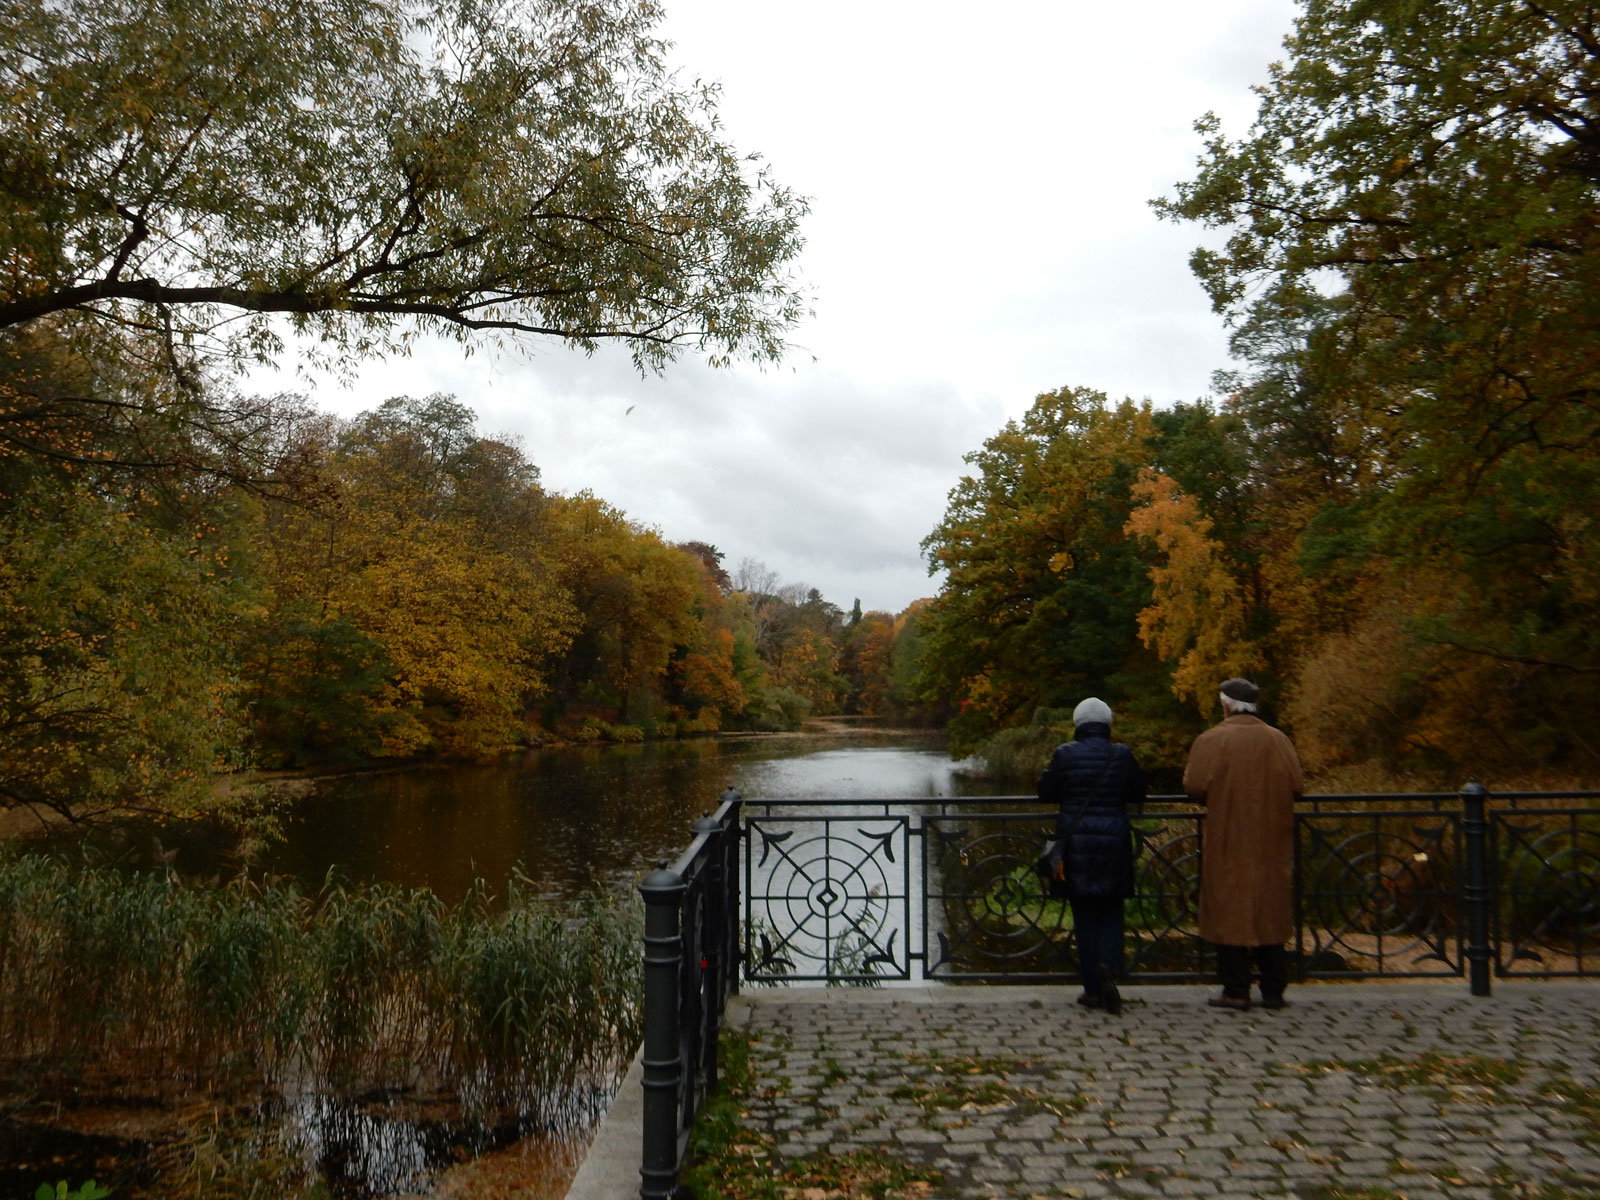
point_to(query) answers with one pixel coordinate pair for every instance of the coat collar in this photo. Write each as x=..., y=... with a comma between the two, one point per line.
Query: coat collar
x=1092, y=729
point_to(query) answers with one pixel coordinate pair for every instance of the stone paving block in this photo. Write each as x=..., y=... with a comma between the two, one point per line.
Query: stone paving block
x=1166, y=1145
x=1363, y=1168
x=1169, y=1160
x=966, y=1134
x=1188, y=1187
x=992, y=1170
x=1253, y=1170
x=1115, y=1145
x=1257, y=1153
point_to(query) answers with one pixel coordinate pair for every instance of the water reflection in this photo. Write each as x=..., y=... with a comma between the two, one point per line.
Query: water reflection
x=583, y=817
x=571, y=820
x=368, y=1148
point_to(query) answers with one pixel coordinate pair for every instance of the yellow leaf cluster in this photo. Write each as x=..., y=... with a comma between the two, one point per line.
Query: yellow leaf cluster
x=1196, y=616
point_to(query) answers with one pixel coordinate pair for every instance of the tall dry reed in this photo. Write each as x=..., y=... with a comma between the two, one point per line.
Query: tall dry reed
x=516, y=1005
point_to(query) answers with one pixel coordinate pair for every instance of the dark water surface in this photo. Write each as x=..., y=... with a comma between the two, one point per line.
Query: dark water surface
x=579, y=818
x=571, y=820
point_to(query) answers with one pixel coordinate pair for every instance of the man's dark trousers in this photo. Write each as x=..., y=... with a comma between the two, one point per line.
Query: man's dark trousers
x=1233, y=966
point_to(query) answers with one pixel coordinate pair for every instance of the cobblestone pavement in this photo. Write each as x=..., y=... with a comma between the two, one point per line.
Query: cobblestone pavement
x=1367, y=1091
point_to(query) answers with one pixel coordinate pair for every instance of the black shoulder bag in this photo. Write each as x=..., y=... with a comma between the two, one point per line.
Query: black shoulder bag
x=1051, y=865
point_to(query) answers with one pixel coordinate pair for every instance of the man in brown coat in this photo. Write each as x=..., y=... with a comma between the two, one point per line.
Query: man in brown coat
x=1247, y=775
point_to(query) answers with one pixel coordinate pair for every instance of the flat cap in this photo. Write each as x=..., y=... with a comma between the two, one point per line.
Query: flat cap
x=1240, y=689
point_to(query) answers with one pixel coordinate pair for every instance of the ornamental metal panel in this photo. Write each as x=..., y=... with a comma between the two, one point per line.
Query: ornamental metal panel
x=985, y=913
x=1547, y=895
x=988, y=917
x=827, y=897
x=1376, y=893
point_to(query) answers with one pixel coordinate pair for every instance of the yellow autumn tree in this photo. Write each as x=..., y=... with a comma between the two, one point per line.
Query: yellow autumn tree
x=635, y=595
x=1041, y=582
x=408, y=612
x=1196, y=616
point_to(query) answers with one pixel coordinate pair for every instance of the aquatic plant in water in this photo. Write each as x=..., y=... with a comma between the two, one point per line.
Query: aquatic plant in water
x=520, y=1009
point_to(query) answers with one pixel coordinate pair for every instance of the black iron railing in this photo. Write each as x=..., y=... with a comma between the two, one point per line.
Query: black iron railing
x=691, y=969
x=1398, y=886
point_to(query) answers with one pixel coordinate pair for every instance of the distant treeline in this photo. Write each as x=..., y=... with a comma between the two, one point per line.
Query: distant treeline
x=194, y=581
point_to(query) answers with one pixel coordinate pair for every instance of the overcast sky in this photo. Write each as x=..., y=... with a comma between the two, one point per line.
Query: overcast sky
x=980, y=232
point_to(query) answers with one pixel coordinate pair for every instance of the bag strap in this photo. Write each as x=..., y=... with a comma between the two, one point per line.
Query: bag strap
x=1083, y=805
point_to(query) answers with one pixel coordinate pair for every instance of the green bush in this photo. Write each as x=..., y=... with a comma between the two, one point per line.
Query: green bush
x=1021, y=753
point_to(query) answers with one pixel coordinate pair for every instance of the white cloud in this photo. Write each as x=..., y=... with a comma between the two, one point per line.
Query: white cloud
x=980, y=233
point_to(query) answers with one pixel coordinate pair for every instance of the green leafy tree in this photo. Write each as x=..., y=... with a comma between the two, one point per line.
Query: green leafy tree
x=1412, y=266
x=108, y=699
x=1043, y=587
x=905, y=696
x=524, y=166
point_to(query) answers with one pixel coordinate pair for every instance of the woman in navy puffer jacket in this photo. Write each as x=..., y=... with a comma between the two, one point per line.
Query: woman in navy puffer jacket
x=1095, y=781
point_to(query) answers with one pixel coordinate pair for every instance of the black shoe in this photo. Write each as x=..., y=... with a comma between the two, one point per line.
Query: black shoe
x=1239, y=1003
x=1274, y=1002
x=1091, y=1000
x=1110, y=998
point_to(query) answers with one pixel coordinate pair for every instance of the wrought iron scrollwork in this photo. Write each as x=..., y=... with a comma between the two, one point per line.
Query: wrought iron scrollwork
x=1549, y=892
x=986, y=909
x=828, y=899
x=1377, y=892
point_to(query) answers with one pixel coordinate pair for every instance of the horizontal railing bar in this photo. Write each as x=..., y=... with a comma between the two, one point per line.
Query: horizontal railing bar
x=697, y=844
x=1164, y=798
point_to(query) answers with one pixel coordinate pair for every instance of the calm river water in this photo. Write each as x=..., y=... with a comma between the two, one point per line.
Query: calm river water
x=579, y=818
x=572, y=820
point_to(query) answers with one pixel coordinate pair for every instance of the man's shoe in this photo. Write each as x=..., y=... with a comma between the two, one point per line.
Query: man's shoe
x=1274, y=1002
x=1110, y=998
x=1241, y=1003
x=1090, y=1000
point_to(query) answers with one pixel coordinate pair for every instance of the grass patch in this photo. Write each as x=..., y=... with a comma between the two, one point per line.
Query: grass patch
x=978, y=1085
x=1426, y=1070
x=1578, y=1100
x=728, y=1161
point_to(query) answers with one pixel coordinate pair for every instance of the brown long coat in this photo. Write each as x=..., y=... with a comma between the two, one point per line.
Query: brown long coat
x=1247, y=775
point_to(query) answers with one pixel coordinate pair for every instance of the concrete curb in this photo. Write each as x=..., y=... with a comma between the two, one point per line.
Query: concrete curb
x=610, y=1170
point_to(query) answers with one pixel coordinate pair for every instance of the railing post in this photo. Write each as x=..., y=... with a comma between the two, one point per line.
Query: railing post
x=662, y=890
x=1475, y=833
x=712, y=962
x=731, y=891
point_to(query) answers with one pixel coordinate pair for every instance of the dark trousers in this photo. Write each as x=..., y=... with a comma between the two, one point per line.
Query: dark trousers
x=1272, y=967
x=1097, y=927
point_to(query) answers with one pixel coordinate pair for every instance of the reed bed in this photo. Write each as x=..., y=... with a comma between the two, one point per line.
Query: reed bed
x=515, y=1005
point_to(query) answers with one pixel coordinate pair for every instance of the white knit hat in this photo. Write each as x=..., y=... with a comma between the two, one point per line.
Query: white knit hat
x=1092, y=711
